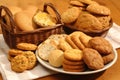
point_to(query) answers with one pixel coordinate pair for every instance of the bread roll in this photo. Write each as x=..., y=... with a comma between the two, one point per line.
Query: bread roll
x=56, y=58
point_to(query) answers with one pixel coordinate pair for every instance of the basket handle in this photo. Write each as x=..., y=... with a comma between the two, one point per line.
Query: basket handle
x=54, y=9
x=8, y=12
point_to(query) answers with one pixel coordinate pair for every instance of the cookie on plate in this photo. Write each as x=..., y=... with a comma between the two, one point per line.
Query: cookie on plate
x=93, y=59
x=75, y=38
x=69, y=40
x=100, y=44
x=73, y=55
x=64, y=45
x=108, y=58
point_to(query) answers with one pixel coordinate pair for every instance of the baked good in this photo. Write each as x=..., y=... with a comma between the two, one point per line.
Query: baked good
x=94, y=19
x=73, y=55
x=75, y=38
x=69, y=40
x=108, y=58
x=57, y=37
x=45, y=48
x=14, y=10
x=15, y=52
x=55, y=58
x=73, y=68
x=104, y=20
x=70, y=15
x=84, y=38
x=63, y=45
x=43, y=19
x=19, y=63
x=93, y=59
x=31, y=59
x=101, y=45
x=72, y=63
x=87, y=2
x=76, y=3
x=98, y=9
x=86, y=22
x=24, y=21
x=26, y=46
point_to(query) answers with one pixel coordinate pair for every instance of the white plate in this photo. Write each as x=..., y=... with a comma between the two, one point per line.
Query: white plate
x=47, y=65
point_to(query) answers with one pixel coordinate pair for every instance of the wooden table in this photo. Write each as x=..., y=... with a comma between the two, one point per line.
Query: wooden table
x=113, y=73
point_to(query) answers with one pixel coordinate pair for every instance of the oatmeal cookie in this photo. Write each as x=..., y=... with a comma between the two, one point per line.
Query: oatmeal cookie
x=98, y=9
x=86, y=22
x=26, y=46
x=31, y=59
x=108, y=58
x=70, y=15
x=19, y=63
x=92, y=58
x=101, y=45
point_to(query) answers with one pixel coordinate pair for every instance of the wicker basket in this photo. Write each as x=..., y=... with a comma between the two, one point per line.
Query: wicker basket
x=12, y=37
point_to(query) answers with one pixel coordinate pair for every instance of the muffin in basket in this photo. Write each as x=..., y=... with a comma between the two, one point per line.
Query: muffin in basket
x=93, y=19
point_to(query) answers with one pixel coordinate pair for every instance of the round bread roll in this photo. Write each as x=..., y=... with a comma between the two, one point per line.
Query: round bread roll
x=23, y=21
x=56, y=58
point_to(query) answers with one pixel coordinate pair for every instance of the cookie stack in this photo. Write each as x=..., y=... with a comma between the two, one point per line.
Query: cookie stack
x=23, y=58
x=73, y=61
x=89, y=17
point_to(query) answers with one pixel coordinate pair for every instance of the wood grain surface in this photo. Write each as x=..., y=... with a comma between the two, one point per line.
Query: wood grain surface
x=113, y=73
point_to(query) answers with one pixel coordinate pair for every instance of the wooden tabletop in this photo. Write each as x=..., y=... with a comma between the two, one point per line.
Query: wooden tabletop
x=113, y=73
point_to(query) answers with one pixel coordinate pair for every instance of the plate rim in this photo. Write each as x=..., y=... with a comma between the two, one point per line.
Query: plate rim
x=48, y=66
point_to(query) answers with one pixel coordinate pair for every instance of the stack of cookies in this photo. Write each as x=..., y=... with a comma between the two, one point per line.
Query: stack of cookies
x=23, y=58
x=87, y=16
x=73, y=61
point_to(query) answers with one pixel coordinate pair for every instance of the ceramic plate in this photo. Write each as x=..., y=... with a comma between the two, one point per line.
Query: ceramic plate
x=47, y=65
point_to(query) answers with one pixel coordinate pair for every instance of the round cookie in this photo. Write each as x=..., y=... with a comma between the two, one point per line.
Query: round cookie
x=69, y=40
x=101, y=45
x=31, y=59
x=19, y=63
x=104, y=20
x=108, y=58
x=26, y=46
x=73, y=63
x=73, y=67
x=98, y=9
x=75, y=38
x=56, y=58
x=64, y=45
x=70, y=15
x=86, y=22
x=92, y=59
x=76, y=3
x=73, y=55
x=15, y=52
